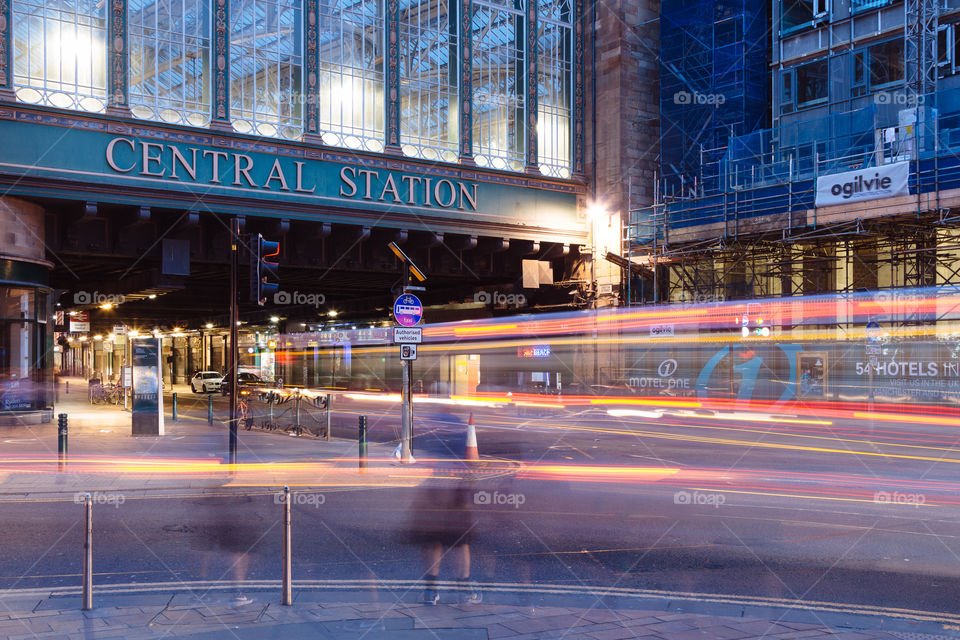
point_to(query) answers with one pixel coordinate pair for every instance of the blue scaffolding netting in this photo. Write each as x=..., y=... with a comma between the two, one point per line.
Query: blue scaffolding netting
x=774, y=170
x=713, y=80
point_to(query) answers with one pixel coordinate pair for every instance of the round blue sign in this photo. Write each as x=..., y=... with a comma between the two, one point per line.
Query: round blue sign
x=407, y=310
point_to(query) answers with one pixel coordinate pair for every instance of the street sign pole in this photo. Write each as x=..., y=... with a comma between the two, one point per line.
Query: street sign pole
x=407, y=312
x=406, y=415
x=234, y=335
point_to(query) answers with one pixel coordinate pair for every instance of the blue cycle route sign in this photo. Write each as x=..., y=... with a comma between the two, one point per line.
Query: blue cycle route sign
x=407, y=310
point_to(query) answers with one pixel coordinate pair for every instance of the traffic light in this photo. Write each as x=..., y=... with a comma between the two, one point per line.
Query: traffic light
x=264, y=265
x=755, y=327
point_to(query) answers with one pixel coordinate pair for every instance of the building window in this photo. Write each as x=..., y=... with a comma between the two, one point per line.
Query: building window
x=498, y=97
x=886, y=64
x=799, y=14
x=351, y=48
x=812, y=84
x=169, y=60
x=859, y=6
x=265, y=67
x=59, y=53
x=787, y=100
x=948, y=63
x=429, y=78
x=554, y=86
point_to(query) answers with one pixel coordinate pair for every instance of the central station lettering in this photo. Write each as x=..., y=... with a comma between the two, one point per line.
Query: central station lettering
x=215, y=167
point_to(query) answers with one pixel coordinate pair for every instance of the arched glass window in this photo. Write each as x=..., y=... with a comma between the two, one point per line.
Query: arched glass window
x=554, y=86
x=59, y=53
x=429, y=79
x=266, y=85
x=498, y=104
x=169, y=44
x=351, y=49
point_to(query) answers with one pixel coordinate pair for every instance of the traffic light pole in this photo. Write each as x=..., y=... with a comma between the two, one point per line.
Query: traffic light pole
x=406, y=413
x=234, y=334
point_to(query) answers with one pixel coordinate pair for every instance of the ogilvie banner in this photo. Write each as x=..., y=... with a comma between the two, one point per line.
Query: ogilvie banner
x=864, y=184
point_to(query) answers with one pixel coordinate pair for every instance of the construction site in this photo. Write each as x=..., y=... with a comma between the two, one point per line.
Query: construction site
x=869, y=89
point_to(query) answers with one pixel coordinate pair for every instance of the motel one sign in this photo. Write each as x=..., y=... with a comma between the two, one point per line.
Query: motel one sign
x=198, y=165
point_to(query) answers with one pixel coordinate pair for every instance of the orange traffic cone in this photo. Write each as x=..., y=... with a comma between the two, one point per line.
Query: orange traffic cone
x=471, y=453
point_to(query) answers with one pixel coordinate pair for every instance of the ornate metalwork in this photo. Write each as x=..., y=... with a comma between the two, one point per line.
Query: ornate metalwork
x=312, y=90
x=118, y=53
x=220, y=65
x=578, y=86
x=530, y=61
x=392, y=79
x=466, y=81
x=6, y=78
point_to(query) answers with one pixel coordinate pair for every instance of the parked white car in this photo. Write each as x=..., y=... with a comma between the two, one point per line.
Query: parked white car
x=206, y=382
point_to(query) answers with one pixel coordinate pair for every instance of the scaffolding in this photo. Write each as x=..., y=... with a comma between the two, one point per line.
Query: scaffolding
x=712, y=85
x=734, y=214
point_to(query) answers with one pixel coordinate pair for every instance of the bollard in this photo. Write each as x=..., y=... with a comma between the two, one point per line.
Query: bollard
x=362, y=436
x=88, y=558
x=62, y=440
x=67, y=391
x=210, y=410
x=270, y=424
x=298, y=428
x=287, y=548
x=329, y=409
x=173, y=408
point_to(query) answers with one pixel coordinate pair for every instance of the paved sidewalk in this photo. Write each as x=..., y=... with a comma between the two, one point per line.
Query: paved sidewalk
x=104, y=457
x=338, y=615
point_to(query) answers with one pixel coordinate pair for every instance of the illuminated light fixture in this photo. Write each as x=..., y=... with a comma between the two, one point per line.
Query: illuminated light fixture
x=83, y=338
x=239, y=323
x=274, y=319
x=331, y=313
x=69, y=338
x=596, y=209
x=98, y=337
x=152, y=296
x=133, y=333
x=110, y=336
x=106, y=306
x=209, y=325
x=249, y=349
x=72, y=313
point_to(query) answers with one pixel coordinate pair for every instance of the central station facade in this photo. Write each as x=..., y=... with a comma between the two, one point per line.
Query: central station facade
x=134, y=131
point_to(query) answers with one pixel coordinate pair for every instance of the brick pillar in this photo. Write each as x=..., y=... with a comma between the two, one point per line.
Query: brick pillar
x=117, y=104
x=466, y=81
x=530, y=77
x=579, y=92
x=220, y=117
x=6, y=48
x=311, y=130
x=392, y=78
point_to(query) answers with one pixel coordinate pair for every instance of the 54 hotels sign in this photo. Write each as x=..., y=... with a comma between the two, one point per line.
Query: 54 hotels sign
x=46, y=154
